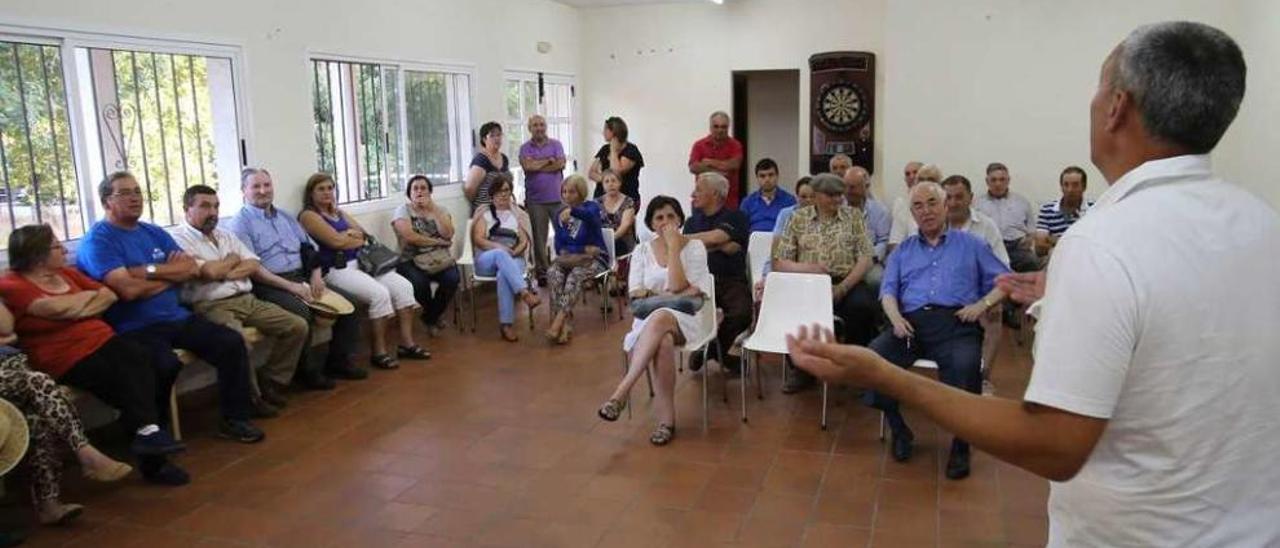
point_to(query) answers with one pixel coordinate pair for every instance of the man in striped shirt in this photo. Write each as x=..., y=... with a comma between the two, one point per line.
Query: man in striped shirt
x=1057, y=216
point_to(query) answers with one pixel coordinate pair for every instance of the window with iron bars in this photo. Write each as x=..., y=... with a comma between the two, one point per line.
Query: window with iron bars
x=73, y=109
x=376, y=124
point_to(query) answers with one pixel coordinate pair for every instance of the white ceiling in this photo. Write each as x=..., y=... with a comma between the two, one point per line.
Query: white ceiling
x=602, y=3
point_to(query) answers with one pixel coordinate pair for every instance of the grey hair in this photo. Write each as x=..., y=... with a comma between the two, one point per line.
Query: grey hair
x=929, y=172
x=719, y=113
x=248, y=172
x=717, y=181
x=932, y=188
x=827, y=183
x=107, y=186
x=1187, y=80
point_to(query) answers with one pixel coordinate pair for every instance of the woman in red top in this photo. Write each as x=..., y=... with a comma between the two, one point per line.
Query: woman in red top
x=56, y=311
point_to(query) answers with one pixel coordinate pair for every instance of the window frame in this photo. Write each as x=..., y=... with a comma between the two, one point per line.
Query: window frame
x=446, y=189
x=85, y=141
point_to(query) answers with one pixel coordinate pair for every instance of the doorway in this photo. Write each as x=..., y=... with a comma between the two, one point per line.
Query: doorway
x=766, y=119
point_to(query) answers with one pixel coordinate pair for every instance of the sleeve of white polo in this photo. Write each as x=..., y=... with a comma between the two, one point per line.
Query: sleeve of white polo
x=1087, y=332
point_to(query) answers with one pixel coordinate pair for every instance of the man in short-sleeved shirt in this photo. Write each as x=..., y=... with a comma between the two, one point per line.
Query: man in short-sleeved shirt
x=719, y=153
x=1057, y=216
x=542, y=159
x=223, y=293
x=724, y=232
x=1014, y=216
x=762, y=206
x=145, y=267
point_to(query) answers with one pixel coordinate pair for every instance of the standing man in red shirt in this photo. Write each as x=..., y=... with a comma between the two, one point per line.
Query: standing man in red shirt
x=720, y=153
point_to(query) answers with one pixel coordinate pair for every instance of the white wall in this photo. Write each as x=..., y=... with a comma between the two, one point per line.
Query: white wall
x=277, y=36
x=972, y=82
x=772, y=102
x=1244, y=155
x=665, y=68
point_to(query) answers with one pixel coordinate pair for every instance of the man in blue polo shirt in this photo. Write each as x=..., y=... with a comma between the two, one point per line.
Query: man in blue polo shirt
x=936, y=286
x=762, y=206
x=145, y=267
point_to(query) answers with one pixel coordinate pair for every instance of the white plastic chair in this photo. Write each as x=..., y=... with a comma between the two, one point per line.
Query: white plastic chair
x=759, y=250
x=710, y=326
x=791, y=300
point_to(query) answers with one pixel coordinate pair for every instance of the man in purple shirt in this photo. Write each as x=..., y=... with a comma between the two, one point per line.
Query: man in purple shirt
x=936, y=286
x=542, y=159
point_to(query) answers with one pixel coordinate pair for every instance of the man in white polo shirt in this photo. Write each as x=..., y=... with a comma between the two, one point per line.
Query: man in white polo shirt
x=223, y=294
x=1153, y=403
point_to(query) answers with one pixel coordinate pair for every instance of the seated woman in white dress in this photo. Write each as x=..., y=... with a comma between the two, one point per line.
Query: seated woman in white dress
x=669, y=264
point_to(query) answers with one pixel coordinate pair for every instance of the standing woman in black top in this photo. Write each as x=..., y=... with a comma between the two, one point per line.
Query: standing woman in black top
x=489, y=159
x=620, y=157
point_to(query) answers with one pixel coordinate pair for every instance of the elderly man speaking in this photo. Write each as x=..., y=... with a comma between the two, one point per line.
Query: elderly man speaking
x=1152, y=405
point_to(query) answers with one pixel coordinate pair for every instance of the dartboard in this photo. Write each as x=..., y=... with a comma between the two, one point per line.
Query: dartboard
x=842, y=106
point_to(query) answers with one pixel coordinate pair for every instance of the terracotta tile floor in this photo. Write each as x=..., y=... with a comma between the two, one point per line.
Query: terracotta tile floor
x=497, y=444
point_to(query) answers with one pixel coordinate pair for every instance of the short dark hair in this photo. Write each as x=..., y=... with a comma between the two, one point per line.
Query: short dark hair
x=308, y=202
x=658, y=202
x=766, y=164
x=996, y=166
x=1186, y=79
x=617, y=127
x=189, y=197
x=107, y=186
x=803, y=182
x=29, y=246
x=958, y=180
x=487, y=128
x=1084, y=177
x=408, y=185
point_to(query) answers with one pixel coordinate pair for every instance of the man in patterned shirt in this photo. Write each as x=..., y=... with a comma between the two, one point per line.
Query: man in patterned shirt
x=831, y=238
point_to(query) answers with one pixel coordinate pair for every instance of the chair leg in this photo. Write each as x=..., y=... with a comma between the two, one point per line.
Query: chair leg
x=823, y=424
x=706, y=424
x=471, y=292
x=746, y=375
x=725, y=377
x=174, y=423
x=759, y=383
x=624, y=374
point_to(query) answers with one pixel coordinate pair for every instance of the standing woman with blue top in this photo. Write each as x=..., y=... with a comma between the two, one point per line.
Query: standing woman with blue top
x=500, y=238
x=580, y=254
x=340, y=238
x=488, y=160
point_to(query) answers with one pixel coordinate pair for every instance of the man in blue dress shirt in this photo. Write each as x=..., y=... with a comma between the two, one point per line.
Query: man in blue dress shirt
x=762, y=206
x=936, y=286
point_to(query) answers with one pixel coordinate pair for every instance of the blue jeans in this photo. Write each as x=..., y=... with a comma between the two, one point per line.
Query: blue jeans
x=510, y=273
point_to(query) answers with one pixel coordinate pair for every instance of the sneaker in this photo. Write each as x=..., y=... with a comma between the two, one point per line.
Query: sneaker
x=240, y=430
x=156, y=443
x=314, y=380
x=166, y=473
x=347, y=372
x=260, y=409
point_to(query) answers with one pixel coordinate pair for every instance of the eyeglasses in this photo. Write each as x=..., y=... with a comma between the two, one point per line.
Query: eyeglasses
x=135, y=193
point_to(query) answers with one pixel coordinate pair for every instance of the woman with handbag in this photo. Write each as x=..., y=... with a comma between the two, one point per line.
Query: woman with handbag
x=499, y=240
x=425, y=231
x=361, y=267
x=669, y=280
x=580, y=254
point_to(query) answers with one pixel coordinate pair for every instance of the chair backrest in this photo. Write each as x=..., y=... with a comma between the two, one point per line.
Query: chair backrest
x=759, y=249
x=790, y=300
x=706, y=318
x=611, y=247
x=467, y=256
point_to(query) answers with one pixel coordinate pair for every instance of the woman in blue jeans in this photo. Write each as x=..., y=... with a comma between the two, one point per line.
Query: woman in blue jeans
x=425, y=231
x=500, y=238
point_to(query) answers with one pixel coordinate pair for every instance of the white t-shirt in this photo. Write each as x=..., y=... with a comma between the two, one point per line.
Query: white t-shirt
x=1162, y=314
x=202, y=249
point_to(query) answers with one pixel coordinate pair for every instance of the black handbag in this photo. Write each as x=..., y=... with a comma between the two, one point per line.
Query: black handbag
x=376, y=259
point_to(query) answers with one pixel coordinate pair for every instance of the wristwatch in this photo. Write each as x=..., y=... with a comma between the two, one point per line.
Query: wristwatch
x=151, y=270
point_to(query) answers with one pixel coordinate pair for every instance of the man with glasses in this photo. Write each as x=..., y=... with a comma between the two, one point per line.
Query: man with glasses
x=145, y=267
x=718, y=153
